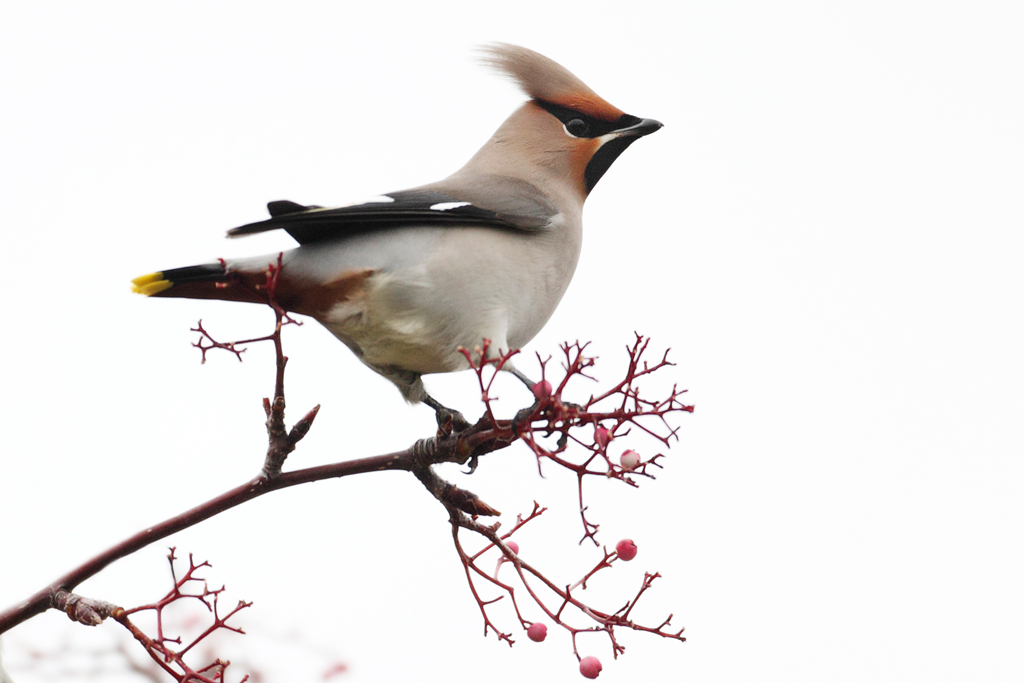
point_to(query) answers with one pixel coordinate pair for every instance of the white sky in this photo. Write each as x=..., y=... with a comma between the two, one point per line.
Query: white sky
x=827, y=233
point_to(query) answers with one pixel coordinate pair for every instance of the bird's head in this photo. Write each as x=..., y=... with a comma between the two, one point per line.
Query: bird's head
x=565, y=130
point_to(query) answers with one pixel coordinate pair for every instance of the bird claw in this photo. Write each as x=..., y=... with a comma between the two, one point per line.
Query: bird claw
x=574, y=406
x=523, y=416
x=450, y=421
x=561, y=410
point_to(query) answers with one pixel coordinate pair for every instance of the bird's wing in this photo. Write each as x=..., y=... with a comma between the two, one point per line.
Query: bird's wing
x=497, y=202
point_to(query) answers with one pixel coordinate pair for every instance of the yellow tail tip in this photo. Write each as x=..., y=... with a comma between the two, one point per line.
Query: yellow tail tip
x=146, y=279
x=148, y=286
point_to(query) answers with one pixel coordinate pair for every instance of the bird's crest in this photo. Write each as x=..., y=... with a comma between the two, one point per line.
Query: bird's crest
x=546, y=80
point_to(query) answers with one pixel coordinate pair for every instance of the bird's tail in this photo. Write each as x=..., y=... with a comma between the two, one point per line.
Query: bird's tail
x=207, y=281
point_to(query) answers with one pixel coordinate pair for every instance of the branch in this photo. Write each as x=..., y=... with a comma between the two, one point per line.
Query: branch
x=603, y=622
x=445, y=449
x=610, y=415
x=169, y=652
x=548, y=417
x=281, y=442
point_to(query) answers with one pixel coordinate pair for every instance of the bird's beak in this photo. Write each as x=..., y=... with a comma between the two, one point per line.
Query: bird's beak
x=612, y=145
x=638, y=130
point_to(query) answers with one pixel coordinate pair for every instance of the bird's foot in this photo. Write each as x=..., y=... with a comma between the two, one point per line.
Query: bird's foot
x=574, y=406
x=448, y=421
x=523, y=416
x=560, y=410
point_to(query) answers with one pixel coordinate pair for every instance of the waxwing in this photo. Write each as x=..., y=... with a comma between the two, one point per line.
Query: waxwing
x=408, y=278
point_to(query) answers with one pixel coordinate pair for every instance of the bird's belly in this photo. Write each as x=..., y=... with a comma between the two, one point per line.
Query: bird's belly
x=409, y=342
x=476, y=284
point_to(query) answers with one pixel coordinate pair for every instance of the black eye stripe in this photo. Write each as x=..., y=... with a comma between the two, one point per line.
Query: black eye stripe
x=594, y=128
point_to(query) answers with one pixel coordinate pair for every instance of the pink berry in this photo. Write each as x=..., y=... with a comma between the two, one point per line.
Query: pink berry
x=629, y=460
x=590, y=667
x=602, y=437
x=513, y=546
x=542, y=389
x=626, y=549
x=537, y=632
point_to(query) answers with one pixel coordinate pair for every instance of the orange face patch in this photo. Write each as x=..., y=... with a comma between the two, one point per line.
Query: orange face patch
x=591, y=105
x=581, y=155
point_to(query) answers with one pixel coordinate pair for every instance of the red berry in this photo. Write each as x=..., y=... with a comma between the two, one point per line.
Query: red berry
x=537, y=632
x=542, y=389
x=626, y=549
x=513, y=546
x=590, y=667
x=602, y=437
x=629, y=460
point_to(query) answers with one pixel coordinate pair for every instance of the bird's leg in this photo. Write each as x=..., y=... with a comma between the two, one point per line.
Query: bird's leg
x=448, y=420
x=523, y=378
x=526, y=412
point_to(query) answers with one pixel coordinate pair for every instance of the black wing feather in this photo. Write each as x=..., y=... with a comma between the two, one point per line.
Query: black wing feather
x=523, y=211
x=283, y=206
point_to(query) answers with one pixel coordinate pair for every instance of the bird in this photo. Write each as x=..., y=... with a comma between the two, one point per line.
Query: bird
x=408, y=279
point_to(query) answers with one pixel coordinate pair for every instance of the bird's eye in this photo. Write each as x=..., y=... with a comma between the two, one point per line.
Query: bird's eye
x=577, y=128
